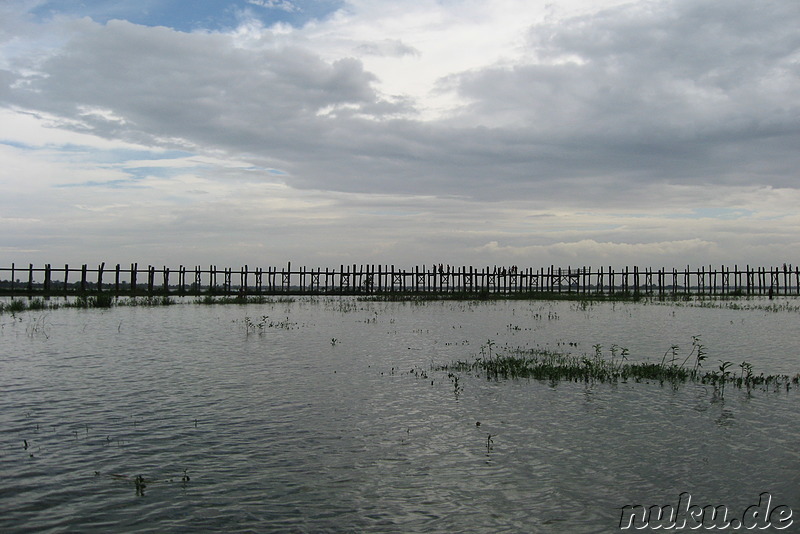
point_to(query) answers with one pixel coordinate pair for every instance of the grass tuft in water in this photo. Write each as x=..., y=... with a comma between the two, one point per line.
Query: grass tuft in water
x=553, y=366
x=101, y=300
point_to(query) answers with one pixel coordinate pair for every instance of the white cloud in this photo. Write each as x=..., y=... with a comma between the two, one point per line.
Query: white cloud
x=283, y=5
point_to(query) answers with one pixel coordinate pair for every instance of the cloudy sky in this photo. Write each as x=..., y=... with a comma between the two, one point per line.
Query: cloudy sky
x=470, y=132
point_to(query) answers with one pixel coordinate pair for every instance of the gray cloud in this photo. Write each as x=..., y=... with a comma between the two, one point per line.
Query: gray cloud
x=387, y=47
x=675, y=91
x=195, y=86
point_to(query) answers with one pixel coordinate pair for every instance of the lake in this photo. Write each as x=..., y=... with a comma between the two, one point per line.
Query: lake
x=320, y=414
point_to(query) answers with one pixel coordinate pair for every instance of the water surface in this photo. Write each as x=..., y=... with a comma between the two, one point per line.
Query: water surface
x=326, y=415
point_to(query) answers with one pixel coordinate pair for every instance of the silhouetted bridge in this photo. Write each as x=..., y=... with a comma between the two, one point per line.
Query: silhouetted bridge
x=354, y=279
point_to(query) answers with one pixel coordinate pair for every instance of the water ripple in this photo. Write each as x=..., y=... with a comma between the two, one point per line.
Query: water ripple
x=283, y=429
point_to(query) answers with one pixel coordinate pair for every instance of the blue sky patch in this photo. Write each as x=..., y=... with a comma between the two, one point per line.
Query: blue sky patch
x=196, y=15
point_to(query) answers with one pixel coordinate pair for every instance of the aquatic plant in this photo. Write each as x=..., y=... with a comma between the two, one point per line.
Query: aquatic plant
x=698, y=350
x=140, y=485
x=719, y=380
x=553, y=366
x=101, y=300
x=486, y=350
x=20, y=305
x=15, y=306
x=37, y=326
x=243, y=299
x=265, y=322
x=37, y=304
x=457, y=388
x=162, y=300
x=418, y=372
x=252, y=326
x=484, y=295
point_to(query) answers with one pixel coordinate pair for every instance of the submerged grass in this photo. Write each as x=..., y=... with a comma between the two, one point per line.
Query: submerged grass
x=425, y=296
x=553, y=366
x=108, y=300
x=243, y=299
x=21, y=305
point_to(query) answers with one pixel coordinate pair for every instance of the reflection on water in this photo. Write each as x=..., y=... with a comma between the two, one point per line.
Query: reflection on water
x=191, y=417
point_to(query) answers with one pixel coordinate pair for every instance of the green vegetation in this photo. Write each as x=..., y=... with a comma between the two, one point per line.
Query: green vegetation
x=261, y=325
x=21, y=305
x=15, y=306
x=552, y=366
x=101, y=300
x=243, y=299
x=98, y=300
x=424, y=296
x=109, y=300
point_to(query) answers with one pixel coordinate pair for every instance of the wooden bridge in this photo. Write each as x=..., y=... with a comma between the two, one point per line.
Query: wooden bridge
x=354, y=279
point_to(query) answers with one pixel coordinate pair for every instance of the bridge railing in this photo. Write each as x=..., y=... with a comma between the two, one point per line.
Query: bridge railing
x=134, y=280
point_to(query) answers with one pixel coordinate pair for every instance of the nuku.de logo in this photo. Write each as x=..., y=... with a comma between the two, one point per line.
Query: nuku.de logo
x=687, y=515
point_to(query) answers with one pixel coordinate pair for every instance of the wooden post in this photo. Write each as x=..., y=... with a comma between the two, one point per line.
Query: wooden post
x=776, y=280
x=785, y=280
x=712, y=280
x=796, y=280
x=703, y=282
x=582, y=283
x=758, y=280
x=600, y=279
x=100, y=276
x=165, y=275
x=302, y=275
x=749, y=279
x=674, y=281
